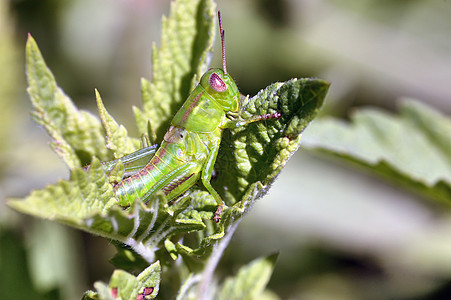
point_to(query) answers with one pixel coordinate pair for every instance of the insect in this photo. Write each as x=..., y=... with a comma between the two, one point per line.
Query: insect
x=189, y=148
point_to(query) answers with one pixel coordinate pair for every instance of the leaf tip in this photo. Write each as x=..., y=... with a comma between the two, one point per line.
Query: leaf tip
x=30, y=41
x=19, y=205
x=98, y=98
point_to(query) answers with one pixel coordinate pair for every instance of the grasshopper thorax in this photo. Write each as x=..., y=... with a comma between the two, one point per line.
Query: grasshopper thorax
x=221, y=87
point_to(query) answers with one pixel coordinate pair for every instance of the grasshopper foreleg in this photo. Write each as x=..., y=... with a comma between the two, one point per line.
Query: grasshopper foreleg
x=240, y=122
x=207, y=171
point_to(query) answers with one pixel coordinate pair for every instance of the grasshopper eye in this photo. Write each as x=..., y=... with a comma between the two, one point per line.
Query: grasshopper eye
x=216, y=83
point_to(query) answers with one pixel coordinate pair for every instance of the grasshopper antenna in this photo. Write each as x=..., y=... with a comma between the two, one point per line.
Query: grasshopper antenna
x=222, y=43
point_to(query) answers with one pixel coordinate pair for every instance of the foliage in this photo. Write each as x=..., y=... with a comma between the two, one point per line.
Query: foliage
x=390, y=146
x=250, y=280
x=249, y=161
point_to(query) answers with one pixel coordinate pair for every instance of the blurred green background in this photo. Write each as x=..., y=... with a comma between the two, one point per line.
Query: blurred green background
x=341, y=233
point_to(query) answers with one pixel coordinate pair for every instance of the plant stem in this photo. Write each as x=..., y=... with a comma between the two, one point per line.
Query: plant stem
x=218, y=251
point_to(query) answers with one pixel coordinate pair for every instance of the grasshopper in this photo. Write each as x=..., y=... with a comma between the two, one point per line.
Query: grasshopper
x=189, y=148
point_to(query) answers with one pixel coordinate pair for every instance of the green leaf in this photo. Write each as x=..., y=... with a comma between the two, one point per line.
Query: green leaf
x=411, y=149
x=250, y=281
x=77, y=135
x=87, y=202
x=117, y=138
x=70, y=201
x=186, y=41
x=125, y=286
x=256, y=153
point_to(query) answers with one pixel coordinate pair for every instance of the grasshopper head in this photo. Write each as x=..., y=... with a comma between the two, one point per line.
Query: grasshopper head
x=222, y=88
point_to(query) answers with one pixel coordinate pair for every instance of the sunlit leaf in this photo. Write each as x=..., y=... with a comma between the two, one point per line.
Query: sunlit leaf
x=117, y=138
x=411, y=149
x=187, y=38
x=76, y=135
x=124, y=286
x=250, y=280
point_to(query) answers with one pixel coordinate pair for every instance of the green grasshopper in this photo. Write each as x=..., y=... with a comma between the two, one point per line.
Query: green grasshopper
x=190, y=146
